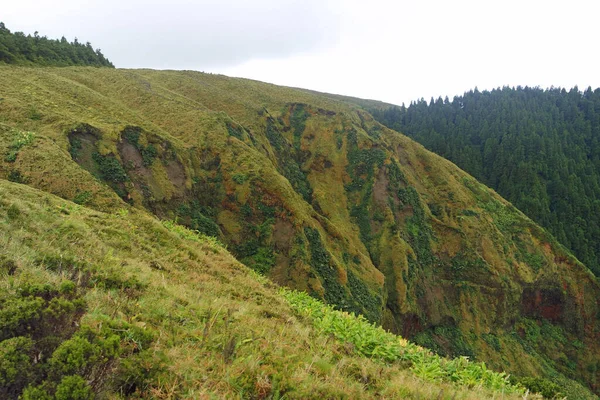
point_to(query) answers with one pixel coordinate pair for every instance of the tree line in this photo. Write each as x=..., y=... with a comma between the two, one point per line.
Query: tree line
x=538, y=148
x=18, y=48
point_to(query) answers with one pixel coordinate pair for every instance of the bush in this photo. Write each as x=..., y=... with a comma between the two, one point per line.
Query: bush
x=15, y=364
x=7, y=266
x=82, y=197
x=137, y=373
x=110, y=168
x=73, y=388
x=546, y=388
x=15, y=176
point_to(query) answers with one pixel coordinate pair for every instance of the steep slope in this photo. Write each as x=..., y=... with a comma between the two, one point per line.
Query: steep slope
x=317, y=195
x=115, y=305
x=538, y=148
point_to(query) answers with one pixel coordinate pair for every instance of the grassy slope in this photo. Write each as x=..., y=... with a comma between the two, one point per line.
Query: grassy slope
x=218, y=329
x=437, y=256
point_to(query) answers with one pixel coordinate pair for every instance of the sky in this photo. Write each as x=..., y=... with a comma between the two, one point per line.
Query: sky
x=393, y=51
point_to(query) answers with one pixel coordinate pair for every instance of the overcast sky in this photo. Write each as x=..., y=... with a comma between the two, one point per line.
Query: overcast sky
x=395, y=51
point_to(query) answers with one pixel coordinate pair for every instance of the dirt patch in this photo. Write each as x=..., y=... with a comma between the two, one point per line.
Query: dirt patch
x=403, y=157
x=133, y=161
x=410, y=325
x=283, y=234
x=82, y=147
x=131, y=156
x=176, y=173
x=320, y=163
x=327, y=113
x=543, y=303
x=380, y=188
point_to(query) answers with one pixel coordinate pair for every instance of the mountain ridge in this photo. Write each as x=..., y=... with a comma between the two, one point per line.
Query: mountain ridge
x=318, y=196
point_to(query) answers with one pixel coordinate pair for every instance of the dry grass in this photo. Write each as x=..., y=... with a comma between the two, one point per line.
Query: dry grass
x=225, y=332
x=191, y=111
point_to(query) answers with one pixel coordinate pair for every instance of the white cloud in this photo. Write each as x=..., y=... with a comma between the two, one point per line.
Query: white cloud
x=395, y=51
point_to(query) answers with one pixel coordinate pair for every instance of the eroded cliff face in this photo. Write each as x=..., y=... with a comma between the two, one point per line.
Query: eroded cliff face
x=315, y=194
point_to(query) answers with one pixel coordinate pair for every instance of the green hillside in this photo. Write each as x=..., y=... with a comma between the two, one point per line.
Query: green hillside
x=114, y=305
x=313, y=193
x=539, y=149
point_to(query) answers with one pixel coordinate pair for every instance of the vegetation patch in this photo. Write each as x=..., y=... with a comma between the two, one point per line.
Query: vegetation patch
x=45, y=353
x=236, y=131
x=298, y=118
x=288, y=161
x=199, y=218
x=370, y=340
x=19, y=140
x=148, y=152
x=361, y=163
x=417, y=229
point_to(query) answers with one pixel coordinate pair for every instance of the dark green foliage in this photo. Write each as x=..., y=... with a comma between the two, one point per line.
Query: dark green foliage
x=417, y=229
x=240, y=179
x=15, y=362
x=79, y=355
x=436, y=209
x=33, y=114
x=235, y=131
x=361, y=217
x=535, y=261
x=546, y=388
x=370, y=304
x=35, y=393
x=73, y=388
x=110, y=168
x=15, y=176
x=492, y=340
x=298, y=119
x=7, y=266
x=262, y=260
x=16, y=48
x=357, y=299
x=200, y=218
x=446, y=341
x=11, y=156
x=75, y=147
x=540, y=149
x=463, y=267
x=470, y=213
x=132, y=134
x=45, y=353
x=361, y=163
x=13, y=212
x=38, y=311
x=289, y=161
x=33, y=322
x=149, y=153
x=139, y=372
x=82, y=197
x=320, y=261
x=255, y=251
x=75, y=135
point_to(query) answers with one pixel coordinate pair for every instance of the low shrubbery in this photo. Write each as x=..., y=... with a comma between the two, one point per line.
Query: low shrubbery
x=372, y=341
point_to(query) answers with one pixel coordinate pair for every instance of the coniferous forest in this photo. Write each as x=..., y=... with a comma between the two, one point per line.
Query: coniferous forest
x=540, y=149
x=18, y=48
